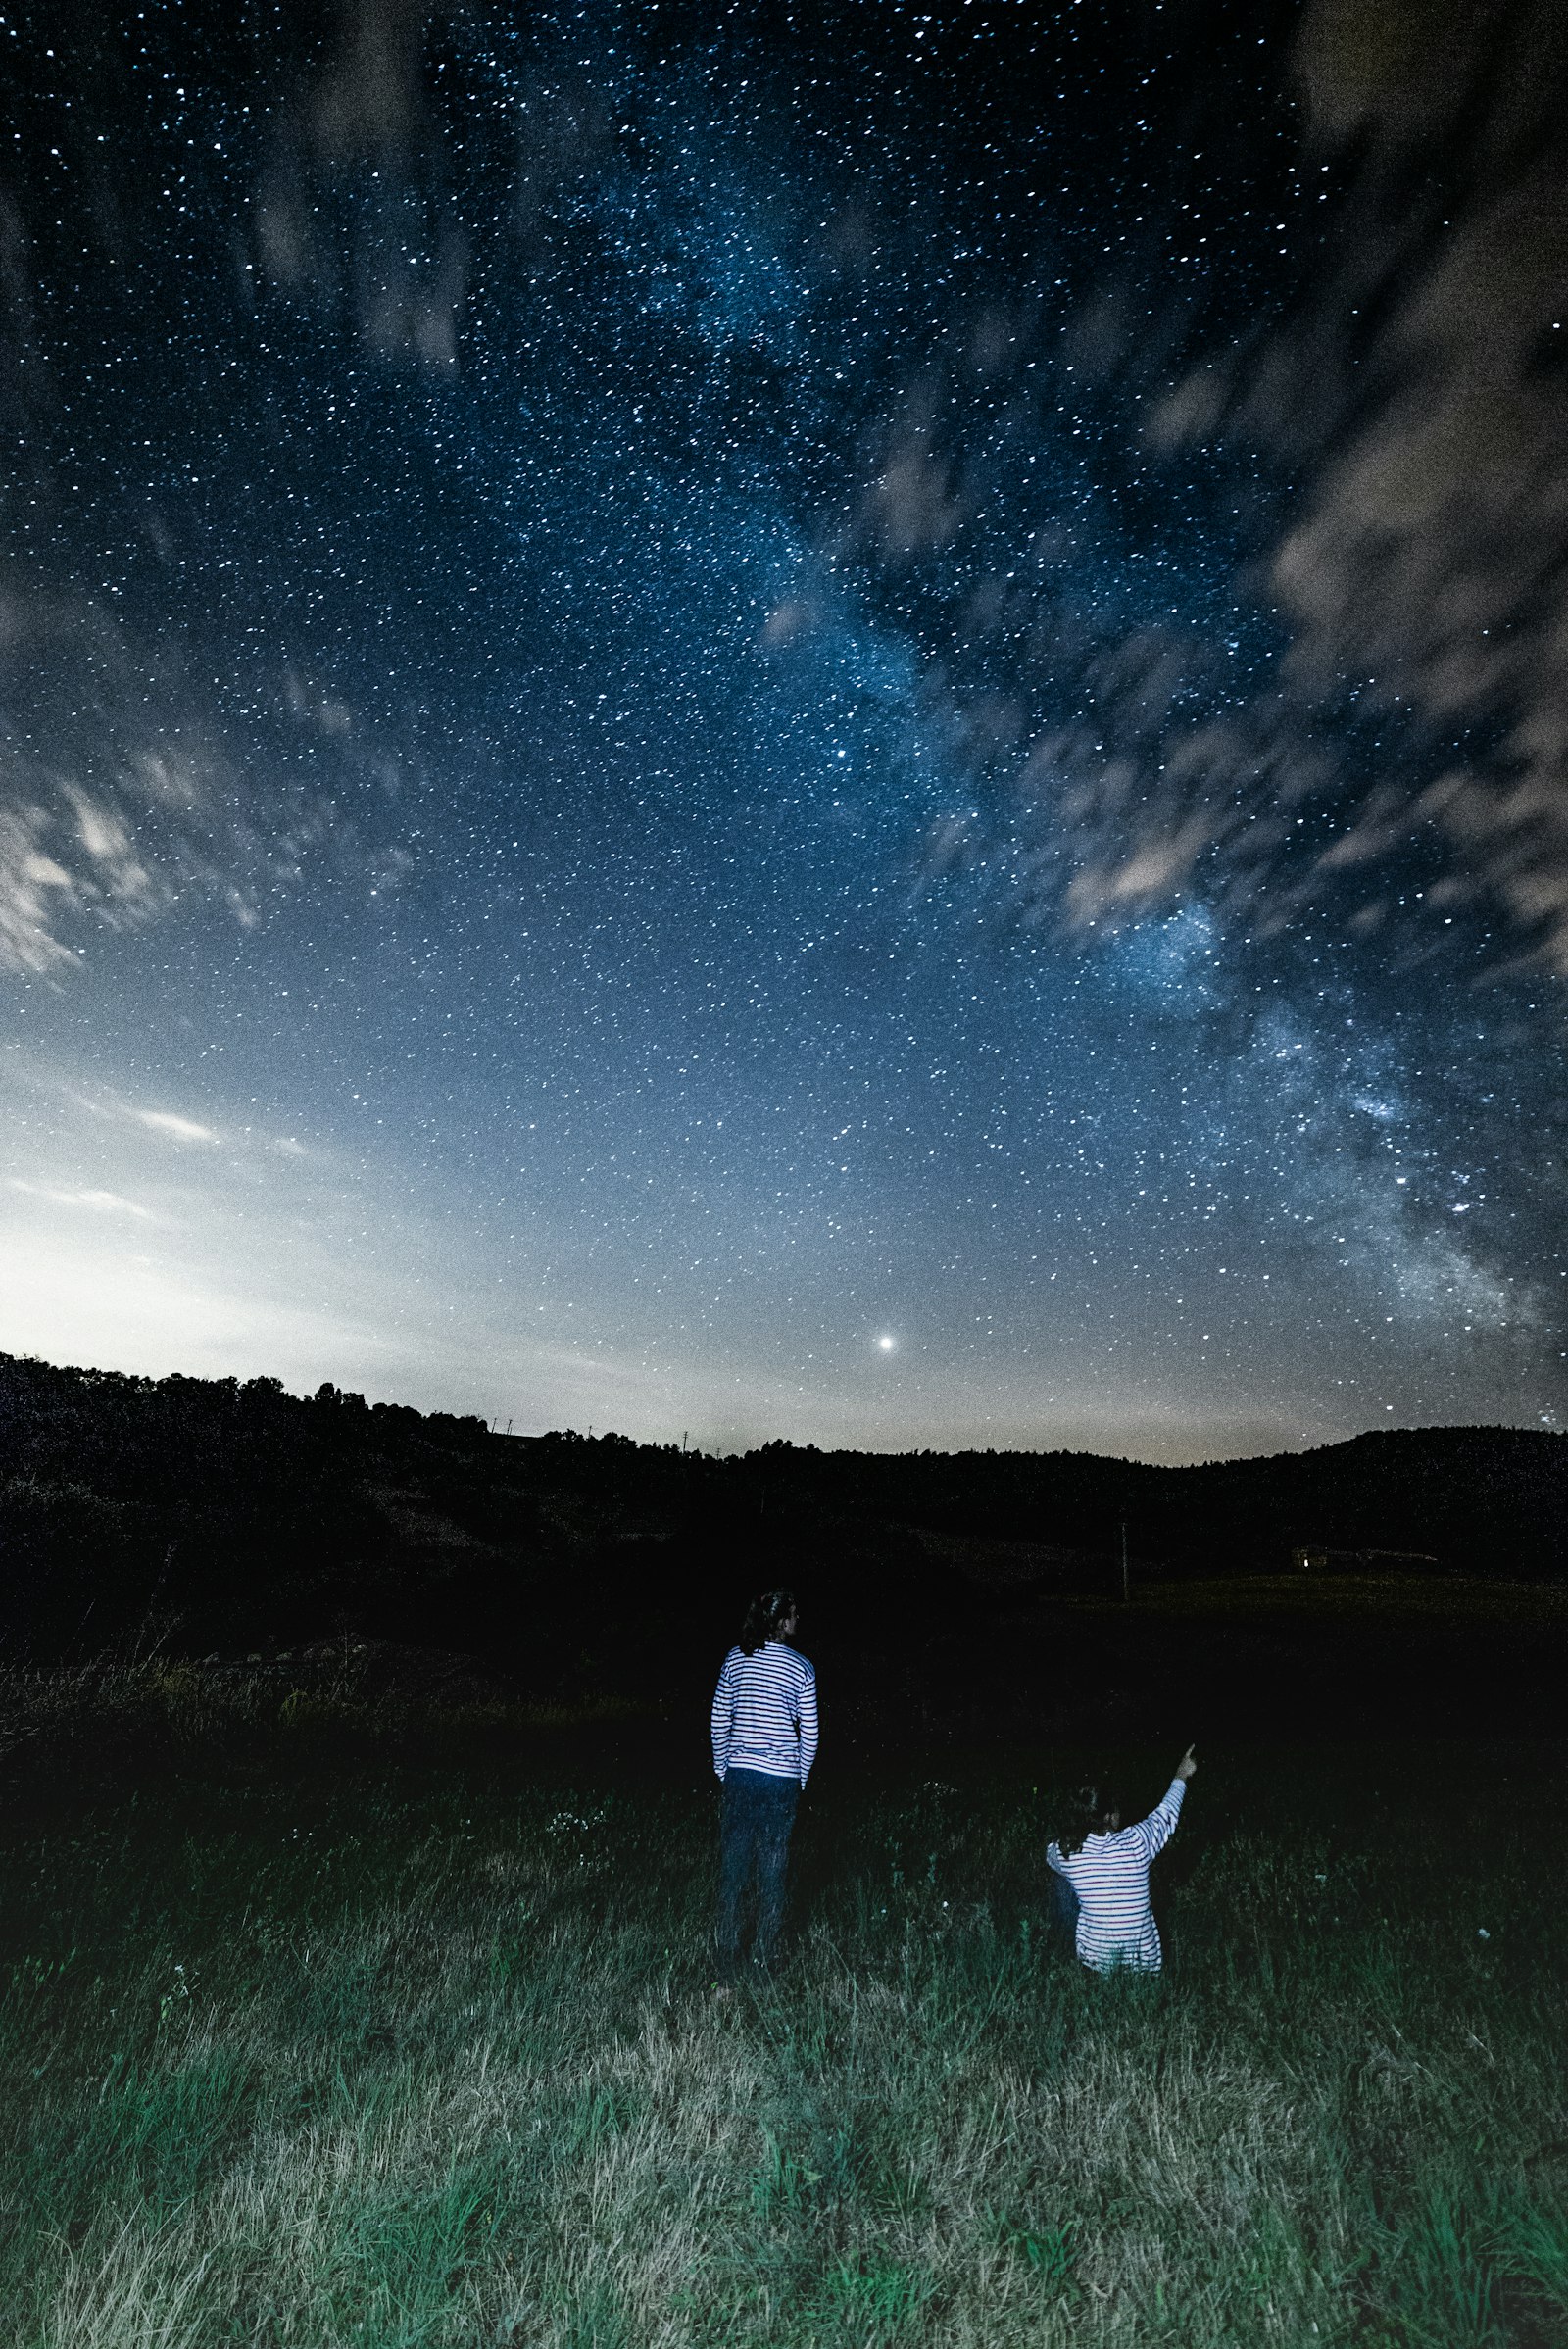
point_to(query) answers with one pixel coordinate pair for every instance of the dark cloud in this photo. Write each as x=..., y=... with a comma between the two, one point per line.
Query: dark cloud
x=1429, y=549
x=353, y=217
x=1347, y=681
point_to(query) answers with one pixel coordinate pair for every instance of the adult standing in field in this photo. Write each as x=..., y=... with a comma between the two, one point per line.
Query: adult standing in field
x=1106, y=1865
x=765, y=1742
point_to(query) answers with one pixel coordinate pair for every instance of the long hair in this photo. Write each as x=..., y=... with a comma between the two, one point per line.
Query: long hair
x=1093, y=1809
x=764, y=1616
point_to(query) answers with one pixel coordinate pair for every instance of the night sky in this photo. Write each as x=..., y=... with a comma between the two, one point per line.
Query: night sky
x=831, y=722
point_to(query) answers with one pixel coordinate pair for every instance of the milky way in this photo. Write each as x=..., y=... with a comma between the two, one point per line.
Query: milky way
x=844, y=724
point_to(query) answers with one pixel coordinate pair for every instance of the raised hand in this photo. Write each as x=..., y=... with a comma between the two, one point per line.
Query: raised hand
x=1187, y=1767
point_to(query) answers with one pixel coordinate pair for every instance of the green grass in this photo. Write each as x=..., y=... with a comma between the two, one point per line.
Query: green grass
x=434, y=2059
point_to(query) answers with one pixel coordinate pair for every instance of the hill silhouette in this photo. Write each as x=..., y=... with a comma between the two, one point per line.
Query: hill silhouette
x=231, y=1517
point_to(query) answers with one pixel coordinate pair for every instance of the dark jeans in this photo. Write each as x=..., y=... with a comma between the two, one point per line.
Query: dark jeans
x=1064, y=1909
x=753, y=1850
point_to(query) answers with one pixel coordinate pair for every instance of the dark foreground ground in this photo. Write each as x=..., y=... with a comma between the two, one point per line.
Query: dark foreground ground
x=348, y=1998
x=368, y=2049
x=1297, y=1657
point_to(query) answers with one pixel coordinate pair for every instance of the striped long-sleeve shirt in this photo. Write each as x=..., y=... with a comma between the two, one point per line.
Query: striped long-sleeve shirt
x=765, y=1713
x=1110, y=1876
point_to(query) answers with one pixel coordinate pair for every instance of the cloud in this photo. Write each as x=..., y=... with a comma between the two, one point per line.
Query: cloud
x=351, y=217
x=99, y=1202
x=791, y=618
x=1428, y=552
x=50, y=1096
x=1146, y=875
x=32, y=886
x=130, y=777
x=1419, y=393
x=911, y=509
x=100, y=813
x=113, y=791
x=178, y=1129
x=1376, y=654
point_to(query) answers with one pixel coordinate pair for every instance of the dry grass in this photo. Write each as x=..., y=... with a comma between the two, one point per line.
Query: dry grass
x=441, y=2064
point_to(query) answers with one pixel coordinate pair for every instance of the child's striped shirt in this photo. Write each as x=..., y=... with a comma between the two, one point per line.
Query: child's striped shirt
x=765, y=1713
x=1110, y=1876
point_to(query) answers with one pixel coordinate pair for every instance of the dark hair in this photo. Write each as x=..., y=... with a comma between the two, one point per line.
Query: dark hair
x=766, y=1612
x=1093, y=1809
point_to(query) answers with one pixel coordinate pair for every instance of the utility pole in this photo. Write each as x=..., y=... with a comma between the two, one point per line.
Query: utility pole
x=1125, y=1592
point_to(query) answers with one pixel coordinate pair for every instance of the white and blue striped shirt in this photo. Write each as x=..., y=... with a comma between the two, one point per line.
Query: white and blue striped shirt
x=1110, y=1876
x=765, y=1713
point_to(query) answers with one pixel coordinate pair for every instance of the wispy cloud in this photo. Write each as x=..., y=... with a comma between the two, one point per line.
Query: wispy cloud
x=98, y=824
x=134, y=782
x=350, y=219
x=178, y=1129
x=100, y=1203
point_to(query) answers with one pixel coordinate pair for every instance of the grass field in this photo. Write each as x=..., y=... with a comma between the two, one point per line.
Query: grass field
x=344, y=2049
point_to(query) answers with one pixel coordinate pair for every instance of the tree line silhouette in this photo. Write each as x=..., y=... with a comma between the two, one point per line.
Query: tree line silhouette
x=232, y=1514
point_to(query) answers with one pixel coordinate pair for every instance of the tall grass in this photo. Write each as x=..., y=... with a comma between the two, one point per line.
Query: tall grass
x=438, y=2061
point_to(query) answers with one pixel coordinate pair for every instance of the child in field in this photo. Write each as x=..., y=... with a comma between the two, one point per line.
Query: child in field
x=765, y=1742
x=1106, y=1865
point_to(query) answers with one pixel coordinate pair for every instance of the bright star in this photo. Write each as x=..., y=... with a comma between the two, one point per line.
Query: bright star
x=886, y=1343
